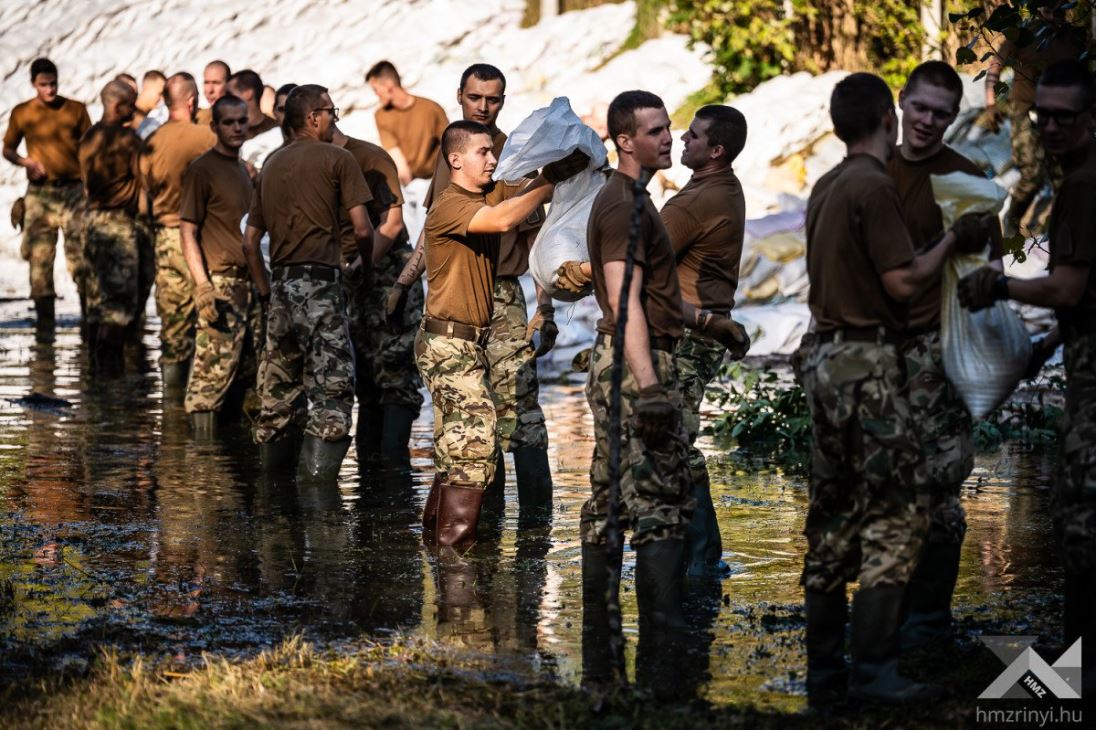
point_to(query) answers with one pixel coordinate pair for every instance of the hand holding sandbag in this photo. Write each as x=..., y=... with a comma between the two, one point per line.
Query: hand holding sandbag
x=656, y=416
x=542, y=323
x=972, y=231
x=981, y=289
x=562, y=170
x=572, y=278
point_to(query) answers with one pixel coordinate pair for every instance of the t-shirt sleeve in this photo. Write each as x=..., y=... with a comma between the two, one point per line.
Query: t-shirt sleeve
x=1072, y=241
x=882, y=227
x=385, y=133
x=192, y=205
x=683, y=228
x=14, y=134
x=353, y=189
x=441, y=122
x=255, y=210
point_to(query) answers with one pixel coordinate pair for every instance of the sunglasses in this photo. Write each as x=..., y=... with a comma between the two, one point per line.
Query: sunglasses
x=1039, y=116
x=333, y=110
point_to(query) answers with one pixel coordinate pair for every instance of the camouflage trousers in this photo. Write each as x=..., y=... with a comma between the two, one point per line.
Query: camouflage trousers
x=385, y=367
x=174, y=298
x=306, y=374
x=655, y=485
x=512, y=371
x=1074, y=492
x=456, y=374
x=867, y=518
x=113, y=276
x=699, y=361
x=226, y=350
x=49, y=210
x=945, y=432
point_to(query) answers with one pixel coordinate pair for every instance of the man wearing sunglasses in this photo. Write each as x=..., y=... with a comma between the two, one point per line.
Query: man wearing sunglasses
x=307, y=371
x=1064, y=115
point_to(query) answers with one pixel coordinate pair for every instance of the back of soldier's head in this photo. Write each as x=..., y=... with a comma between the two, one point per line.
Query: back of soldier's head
x=246, y=84
x=726, y=127
x=622, y=112
x=936, y=73
x=384, y=70
x=300, y=102
x=484, y=72
x=457, y=135
x=858, y=104
x=179, y=89
x=115, y=91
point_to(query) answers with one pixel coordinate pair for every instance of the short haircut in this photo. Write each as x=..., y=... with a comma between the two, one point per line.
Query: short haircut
x=42, y=66
x=937, y=73
x=248, y=80
x=457, y=134
x=154, y=74
x=224, y=67
x=484, y=72
x=128, y=78
x=857, y=106
x=383, y=70
x=1071, y=73
x=284, y=90
x=300, y=102
x=621, y=117
x=179, y=87
x=727, y=128
x=116, y=90
x=226, y=100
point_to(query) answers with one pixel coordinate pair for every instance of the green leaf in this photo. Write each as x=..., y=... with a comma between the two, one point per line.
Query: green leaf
x=964, y=55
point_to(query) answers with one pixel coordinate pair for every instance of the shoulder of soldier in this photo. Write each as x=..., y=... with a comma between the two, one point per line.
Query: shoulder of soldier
x=957, y=162
x=430, y=104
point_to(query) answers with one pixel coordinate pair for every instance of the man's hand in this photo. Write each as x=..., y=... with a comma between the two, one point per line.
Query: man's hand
x=972, y=232
x=35, y=170
x=728, y=332
x=571, y=277
x=656, y=417
x=981, y=289
x=542, y=323
x=562, y=170
x=206, y=302
x=395, y=302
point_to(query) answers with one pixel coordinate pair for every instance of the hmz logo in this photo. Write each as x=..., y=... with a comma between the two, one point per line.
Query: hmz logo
x=1028, y=676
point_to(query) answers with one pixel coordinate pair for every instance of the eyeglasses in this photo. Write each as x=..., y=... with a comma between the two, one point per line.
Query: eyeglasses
x=1039, y=116
x=333, y=110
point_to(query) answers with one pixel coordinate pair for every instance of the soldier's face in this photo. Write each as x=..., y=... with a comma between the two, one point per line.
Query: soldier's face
x=1062, y=118
x=213, y=83
x=928, y=111
x=476, y=161
x=45, y=86
x=651, y=143
x=481, y=101
x=697, y=151
x=383, y=89
x=232, y=128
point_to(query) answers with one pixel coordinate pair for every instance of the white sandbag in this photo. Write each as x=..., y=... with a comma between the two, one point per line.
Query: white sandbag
x=984, y=353
x=547, y=135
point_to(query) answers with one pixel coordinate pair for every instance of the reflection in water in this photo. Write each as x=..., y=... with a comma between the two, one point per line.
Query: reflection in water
x=111, y=511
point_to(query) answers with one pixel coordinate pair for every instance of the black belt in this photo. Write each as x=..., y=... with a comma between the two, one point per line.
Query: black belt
x=663, y=343
x=878, y=335
x=306, y=271
x=55, y=183
x=457, y=330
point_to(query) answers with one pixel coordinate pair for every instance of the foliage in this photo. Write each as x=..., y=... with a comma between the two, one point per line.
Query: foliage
x=1030, y=424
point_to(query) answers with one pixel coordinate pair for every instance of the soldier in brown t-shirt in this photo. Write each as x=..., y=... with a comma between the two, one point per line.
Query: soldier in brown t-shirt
x=410, y=127
x=705, y=222
x=307, y=352
x=930, y=101
x=215, y=78
x=215, y=196
x=1064, y=112
x=52, y=127
x=462, y=243
x=168, y=152
x=866, y=519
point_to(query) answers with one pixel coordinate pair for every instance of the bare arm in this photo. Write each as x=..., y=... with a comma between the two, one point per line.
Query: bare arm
x=404, y=172
x=905, y=282
x=415, y=266
x=255, y=260
x=364, y=232
x=387, y=231
x=191, y=252
x=637, y=348
x=511, y=212
x=1064, y=287
x=35, y=170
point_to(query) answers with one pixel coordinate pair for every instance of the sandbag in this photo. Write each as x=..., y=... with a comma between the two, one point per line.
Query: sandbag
x=547, y=135
x=984, y=353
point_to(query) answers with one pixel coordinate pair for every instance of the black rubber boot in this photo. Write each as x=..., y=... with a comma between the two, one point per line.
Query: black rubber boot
x=598, y=667
x=875, y=676
x=704, y=538
x=320, y=460
x=204, y=424
x=397, y=423
x=930, y=591
x=368, y=429
x=825, y=629
x=44, y=320
x=280, y=452
x=174, y=378
x=535, y=486
x=493, y=509
x=661, y=625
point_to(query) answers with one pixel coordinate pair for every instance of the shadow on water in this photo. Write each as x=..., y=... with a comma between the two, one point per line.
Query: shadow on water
x=117, y=527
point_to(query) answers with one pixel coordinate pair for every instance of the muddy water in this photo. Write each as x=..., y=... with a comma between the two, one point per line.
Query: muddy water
x=116, y=527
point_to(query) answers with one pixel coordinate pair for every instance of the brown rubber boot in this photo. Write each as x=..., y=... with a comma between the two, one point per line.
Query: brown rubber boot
x=459, y=511
x=431, y=509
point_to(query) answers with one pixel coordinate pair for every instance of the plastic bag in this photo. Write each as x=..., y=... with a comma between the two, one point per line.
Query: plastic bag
x=547, y=135
x=984, y=353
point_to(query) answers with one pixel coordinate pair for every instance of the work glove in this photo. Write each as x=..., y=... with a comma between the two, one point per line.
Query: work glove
x=562, y=170
x=206, y=302
x=655, y=416
x=727, y=332
x=542, y=323
x=972, y=232
x=395, y=302
x=981, y=289
x=571, y=277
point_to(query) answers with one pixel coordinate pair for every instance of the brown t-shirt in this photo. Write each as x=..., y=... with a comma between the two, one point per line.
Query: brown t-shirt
x=380, y=173
x=110, y=167
x=608, y=239
x=216, y=194
x=168, y=151
x=265, y=126
x=461, y=266
x=515, y=244
x=1072, y=239
x=855, y=232
x=204, y=117
x=705, y=222
x=298, y=197
x=417, y=131
x=52, y=132
x=924, y=220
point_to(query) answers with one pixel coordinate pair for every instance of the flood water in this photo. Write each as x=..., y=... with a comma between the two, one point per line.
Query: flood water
x=116, y=527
